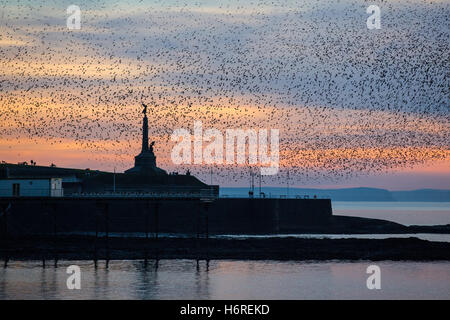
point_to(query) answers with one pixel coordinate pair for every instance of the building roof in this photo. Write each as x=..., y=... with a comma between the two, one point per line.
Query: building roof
x=26, y=171
x=30, y=178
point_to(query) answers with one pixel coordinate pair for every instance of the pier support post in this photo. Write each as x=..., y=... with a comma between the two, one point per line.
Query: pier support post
x=96, y=225
x=197, y=228
x=147, y=217
x=96, y=237
x=157, y=263
x=198, y=220
x=5, y=239
x=55, y=235
x=156, y=220
x=47, y=237
x=156, y=236
x=207, y=223
x=206, y=207
x=106, y=212
x=147, y=208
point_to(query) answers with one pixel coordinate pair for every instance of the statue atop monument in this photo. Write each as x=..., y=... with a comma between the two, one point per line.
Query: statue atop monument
x=145, y=162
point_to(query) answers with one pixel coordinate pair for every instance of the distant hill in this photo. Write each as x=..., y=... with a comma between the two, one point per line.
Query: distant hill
x=422, y=195
x=348, y=194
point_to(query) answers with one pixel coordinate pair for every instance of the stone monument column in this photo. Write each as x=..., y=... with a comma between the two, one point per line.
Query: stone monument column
x=145, y=130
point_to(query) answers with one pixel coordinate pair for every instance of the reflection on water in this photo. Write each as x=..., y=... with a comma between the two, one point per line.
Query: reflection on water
x=189, y=279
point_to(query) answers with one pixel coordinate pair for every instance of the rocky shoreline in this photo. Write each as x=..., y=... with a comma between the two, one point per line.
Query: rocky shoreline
x=359, y=225
x=119, y=248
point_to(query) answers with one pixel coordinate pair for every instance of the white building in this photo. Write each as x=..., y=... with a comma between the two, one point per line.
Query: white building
x=31, y=187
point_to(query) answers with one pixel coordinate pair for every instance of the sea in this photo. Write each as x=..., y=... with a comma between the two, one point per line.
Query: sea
x=407, y=213
x=235, y=279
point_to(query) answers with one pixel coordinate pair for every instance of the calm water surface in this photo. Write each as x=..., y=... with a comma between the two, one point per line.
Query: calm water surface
x=182, y=279
x=407, y=213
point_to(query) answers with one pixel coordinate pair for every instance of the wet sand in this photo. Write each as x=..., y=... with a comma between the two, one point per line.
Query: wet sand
x=90, y=248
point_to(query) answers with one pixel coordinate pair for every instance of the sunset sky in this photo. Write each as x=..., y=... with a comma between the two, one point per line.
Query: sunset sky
x=355, y=107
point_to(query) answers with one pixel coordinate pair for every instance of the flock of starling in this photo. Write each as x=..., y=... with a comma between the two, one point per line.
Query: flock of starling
x=347, y=100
